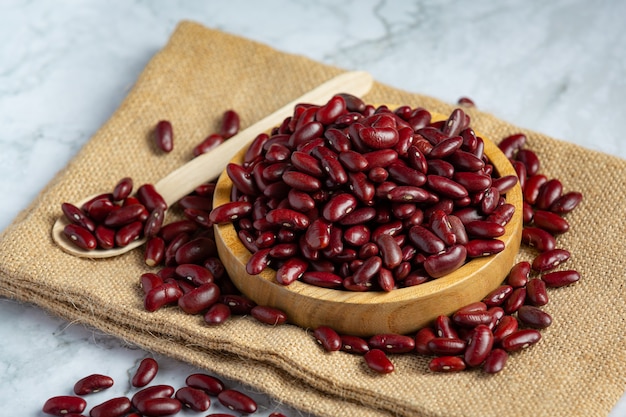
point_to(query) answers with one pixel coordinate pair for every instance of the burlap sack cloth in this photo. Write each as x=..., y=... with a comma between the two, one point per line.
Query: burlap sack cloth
x=578, y=368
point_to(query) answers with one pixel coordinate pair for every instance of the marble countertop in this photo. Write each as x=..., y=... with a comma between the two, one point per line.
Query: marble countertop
x=556, y=67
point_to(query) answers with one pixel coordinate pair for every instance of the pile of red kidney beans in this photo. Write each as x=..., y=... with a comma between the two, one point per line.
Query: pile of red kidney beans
x=354, y=197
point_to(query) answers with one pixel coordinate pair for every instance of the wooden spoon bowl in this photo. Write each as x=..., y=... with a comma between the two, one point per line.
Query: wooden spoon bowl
x=403, y=310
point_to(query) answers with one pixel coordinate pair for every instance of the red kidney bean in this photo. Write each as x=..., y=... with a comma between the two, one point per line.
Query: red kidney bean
x=444, y=327
x=422, y=338
x=521, y=339
x=534, y=317
x=511, y=144
x=242, y=179
x=533, y=186
x=220, y=415
x=122, y=189
x=337, y=140
x=504, y=184
x=269, y=315
x=230, y=124
x=199, y=299
x=154, y=223
x=237, y=401
x=551, y=222
x=357, y=235
x=445, y=346
x=425, y=240
x=327, y=338
x=441, y=226
x=392, y=343
x=105, y=237
x=331, y=165
x=507, y=325
x=228, y=212
x=217, y=314
x=288, y=218
x=518, y=275
x=548, y=260
x=379, y=137
x=446, y=187
x=157, y=407
x=149, y=281
x=301, y=181
x=390, y=251
x=196, y=274
x=291, y=270
x=322, y=279
x=502, y=214
x=447, y=364
x=538, y=238
x=484, y=229
x=496, y=360
x=92, y=383
x=530, y=161
x=515, y=300
x=80, y=236
x=150, y=197
x=193, y=398
x=64, y=404
x=196, y=251
x=378, y=361
x=471, y=318
x=77, y=216
x=128, y=233
x=445, y=262
x=483, y=247
x=498, y=296
x=306, y=164
x=171, y=230
x=353, y=161
x=209, y=143
x=164, y=136
x=152, y=392
x=405, y=175
x=145, y=373
x=168, y=293
x=473, y=181
x=560, y=278
x=338, y=207
x=549, y=193
x=527, y=213
x=354, y=344
x=125, y=215
x=115, y=407
x=473, y=307
x=536, y=293
x=207, y=383
x=479, y=346
x=566, y=203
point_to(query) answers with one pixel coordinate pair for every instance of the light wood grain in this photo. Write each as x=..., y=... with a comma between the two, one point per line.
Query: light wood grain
x=210, y=165
x=366, y=313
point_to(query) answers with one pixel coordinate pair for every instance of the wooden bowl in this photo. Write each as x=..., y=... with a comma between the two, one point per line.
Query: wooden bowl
x=403, y=310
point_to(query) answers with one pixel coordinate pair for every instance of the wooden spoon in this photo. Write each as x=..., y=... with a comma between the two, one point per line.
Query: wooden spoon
x=402, y=310
x=210, y=165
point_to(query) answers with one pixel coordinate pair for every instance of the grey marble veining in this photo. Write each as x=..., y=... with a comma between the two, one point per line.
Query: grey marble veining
x=556, y=67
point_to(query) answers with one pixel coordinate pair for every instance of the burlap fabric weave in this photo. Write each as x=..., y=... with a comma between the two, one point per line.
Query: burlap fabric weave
x=578, y=368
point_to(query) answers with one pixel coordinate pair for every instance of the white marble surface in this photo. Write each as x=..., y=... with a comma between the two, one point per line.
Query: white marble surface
x=557, y=67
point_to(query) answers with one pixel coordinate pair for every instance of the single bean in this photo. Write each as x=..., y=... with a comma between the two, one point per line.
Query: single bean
x=193, y=398
x=168, y=293
x=479, y=346
x=506, y=183
x=447, y=364
x=444, y=327
x=425, y=240
x=269, y=315
x=538, y=238
x=339, y=206
x=77, y=216
x=515, y=300
x=445, y=262
x=560, y=278
x=566, y=203
x=551, y=222
x=92, y=383
x=530, y=161
x=115, y=407
x=230, y=124
x=207, y=383
x=150, y=197
x=80, y=236
x=496, y=361
x=550, y=259
x=151, y=392
x=196, y=251
x=445, y=346
x=354, y=344
x=128, y=233
x=199, y=299
x=498, y=296
x=64, y=404
x=406, y=175
x=441, y=226
x=258, y=261
x=327, y=338
x=521, y=339
x=337, y=140
x=518, y=275
x=536, y=293
x=446, y=187
x=422, y=338
x=378, y=361
x=217, y=314
x=534, y=317
x=548, y=194
x=209, y=143
x=512, y=143
x=237, y=401
x=322, y=279
x=507, y=325
x=471, y=318
x=533, y=187
x=164, y=136
x=484, y=247
x=145, y=373
x=392, y=343
x=157, y=407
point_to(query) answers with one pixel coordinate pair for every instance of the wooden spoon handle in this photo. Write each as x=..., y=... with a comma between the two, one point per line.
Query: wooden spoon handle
x=210, y=165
